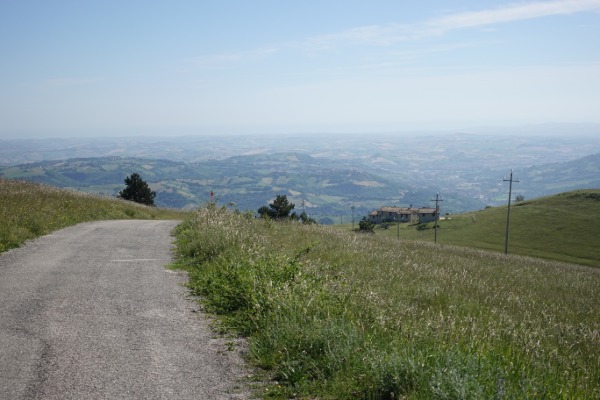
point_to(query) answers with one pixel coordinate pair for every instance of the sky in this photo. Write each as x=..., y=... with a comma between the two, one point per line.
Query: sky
x=124, y=68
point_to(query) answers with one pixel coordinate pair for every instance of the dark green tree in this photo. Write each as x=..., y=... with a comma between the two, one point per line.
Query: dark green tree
x=280, y=208
x=136, y=189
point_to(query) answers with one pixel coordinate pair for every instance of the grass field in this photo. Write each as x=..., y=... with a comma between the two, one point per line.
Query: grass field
x=564, y=227
x=29, y=210
x=334, y=314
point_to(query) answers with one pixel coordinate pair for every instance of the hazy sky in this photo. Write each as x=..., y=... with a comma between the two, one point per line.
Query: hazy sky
x=71, y=68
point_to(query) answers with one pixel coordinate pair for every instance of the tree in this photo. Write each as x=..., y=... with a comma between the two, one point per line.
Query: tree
x=520, y=197
x=136, y=189
x=280, y=208
x=365, y=225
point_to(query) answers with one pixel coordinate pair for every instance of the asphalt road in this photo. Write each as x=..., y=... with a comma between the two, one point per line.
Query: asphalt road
x=90, y=312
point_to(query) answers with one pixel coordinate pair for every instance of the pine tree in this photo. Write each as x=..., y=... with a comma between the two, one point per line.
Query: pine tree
x=280, y=208
x=137, y=190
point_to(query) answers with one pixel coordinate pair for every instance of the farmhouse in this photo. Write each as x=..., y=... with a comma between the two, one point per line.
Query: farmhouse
x=403, y=214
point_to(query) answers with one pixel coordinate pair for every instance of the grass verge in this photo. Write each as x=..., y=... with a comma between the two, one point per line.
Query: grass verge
x=29, y=210
x=562, y=227
x=334, y=314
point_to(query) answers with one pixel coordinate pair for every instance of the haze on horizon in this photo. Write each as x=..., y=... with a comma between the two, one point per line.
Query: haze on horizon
x=178, y=68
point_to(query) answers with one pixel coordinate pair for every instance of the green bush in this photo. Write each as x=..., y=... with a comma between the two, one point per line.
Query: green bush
x=366, y=226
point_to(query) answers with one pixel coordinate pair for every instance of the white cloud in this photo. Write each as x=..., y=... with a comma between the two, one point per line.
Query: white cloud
x=379, y=35
x=511, y=13
x=390, y=34
x=371, y=35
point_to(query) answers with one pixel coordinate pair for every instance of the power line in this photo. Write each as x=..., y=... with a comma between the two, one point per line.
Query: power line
x=511, y=180
x=437, y=214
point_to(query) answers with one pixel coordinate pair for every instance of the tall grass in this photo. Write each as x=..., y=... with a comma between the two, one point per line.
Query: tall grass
x=334, y=314
x=29, y=210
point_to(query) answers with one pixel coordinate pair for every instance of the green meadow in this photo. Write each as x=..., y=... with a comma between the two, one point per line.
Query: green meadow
x=335, y=314
x=29, y=210
x=564, y=227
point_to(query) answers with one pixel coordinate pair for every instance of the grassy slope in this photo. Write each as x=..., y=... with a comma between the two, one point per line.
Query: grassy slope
x=334, y=314
x=564, y=227
x=29, y=210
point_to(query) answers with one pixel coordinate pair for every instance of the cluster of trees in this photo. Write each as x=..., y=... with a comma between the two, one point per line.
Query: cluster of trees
x=281, y=209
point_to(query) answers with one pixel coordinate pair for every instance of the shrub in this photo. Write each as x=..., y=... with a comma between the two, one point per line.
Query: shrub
x=365, y=226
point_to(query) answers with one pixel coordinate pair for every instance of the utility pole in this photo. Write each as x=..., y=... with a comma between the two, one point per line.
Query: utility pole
x=352, y=207
x=511, y=180
x=437, y=212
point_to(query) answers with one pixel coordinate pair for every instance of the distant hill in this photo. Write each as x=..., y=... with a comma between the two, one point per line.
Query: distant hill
x=551, y=178
x=325, y=175
x=323, y=188
x=562, y=227
x=326, y=188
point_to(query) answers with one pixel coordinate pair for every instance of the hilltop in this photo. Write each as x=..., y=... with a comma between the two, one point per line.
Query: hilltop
x=561, y=227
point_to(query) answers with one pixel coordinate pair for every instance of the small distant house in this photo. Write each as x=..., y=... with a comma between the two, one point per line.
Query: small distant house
x=403, y=214
x=428, y=215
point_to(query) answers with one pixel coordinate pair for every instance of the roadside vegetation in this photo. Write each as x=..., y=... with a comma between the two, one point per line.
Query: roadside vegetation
x=29, y=210
x=337, y=314
x=562, y=227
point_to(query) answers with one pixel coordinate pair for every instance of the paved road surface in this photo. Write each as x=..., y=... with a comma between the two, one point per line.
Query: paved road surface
x=89, y=312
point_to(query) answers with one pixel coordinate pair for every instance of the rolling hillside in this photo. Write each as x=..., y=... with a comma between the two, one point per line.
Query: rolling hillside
x=563, y=227
x=326, y=186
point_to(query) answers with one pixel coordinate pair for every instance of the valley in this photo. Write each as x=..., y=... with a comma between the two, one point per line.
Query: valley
x=324, y=176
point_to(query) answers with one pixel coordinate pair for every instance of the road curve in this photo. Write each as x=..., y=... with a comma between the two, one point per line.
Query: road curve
x=90, y=312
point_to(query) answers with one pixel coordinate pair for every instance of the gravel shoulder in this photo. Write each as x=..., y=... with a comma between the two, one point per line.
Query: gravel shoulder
x=90, y=312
